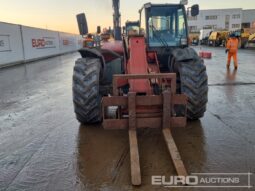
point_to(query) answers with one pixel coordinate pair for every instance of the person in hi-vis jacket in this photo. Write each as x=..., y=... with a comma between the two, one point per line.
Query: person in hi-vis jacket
x=232, y=49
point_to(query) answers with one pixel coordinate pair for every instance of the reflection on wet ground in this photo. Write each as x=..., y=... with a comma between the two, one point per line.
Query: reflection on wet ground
x=108, y=164
x=43, y=147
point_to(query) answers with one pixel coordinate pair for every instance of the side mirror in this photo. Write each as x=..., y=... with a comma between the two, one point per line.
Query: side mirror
x=195, y=10
x=98, y=29
x=82, y=23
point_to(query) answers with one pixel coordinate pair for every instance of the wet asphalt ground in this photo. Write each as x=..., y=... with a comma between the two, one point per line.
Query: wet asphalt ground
x=43, y=147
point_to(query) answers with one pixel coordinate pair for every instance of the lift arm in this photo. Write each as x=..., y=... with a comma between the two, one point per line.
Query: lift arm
x=116, y=19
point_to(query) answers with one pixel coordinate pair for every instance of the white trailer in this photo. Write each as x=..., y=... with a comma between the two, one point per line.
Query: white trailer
x=204, y=35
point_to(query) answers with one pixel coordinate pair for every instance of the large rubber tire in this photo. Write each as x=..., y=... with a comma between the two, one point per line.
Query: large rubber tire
x=192, y=80
x=86, y=96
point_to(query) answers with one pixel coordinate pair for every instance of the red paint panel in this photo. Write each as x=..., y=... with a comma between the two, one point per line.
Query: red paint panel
x=115, y=46
x=137, y=64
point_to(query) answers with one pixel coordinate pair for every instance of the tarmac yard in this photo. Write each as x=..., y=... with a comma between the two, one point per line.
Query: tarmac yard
x=43, y=147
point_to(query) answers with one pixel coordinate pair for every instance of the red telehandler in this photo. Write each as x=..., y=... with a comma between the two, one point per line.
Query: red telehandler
x=147, y=80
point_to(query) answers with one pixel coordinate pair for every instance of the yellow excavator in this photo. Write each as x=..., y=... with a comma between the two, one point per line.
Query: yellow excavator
x=252, y=38
x=251, y=41
x=243, y=37
x=194, y=38
x=218, y=38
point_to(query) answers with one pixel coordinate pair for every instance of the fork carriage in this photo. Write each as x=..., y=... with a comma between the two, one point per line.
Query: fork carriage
x=146, y=111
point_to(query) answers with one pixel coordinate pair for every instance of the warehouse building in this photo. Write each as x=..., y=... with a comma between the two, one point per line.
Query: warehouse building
x=248, y=20
x=223, y=19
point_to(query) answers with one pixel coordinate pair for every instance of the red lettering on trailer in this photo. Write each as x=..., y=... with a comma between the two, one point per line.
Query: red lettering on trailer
x=65, y=42
x=33, y=42
x=37, y=43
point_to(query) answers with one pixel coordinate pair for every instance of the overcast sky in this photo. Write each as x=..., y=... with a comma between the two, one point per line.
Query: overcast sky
x=60, y=14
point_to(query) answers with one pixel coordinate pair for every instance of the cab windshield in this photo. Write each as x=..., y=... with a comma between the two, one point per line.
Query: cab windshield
x=166, y=26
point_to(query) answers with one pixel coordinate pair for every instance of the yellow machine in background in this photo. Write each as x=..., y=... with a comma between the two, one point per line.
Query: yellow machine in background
x=194, y=38
x=252, y=38
x=218, y=38
x=251, y=41
x=243, y=36
x=243, y=39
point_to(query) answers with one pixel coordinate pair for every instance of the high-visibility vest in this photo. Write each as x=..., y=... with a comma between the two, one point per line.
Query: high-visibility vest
x=232, y=45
